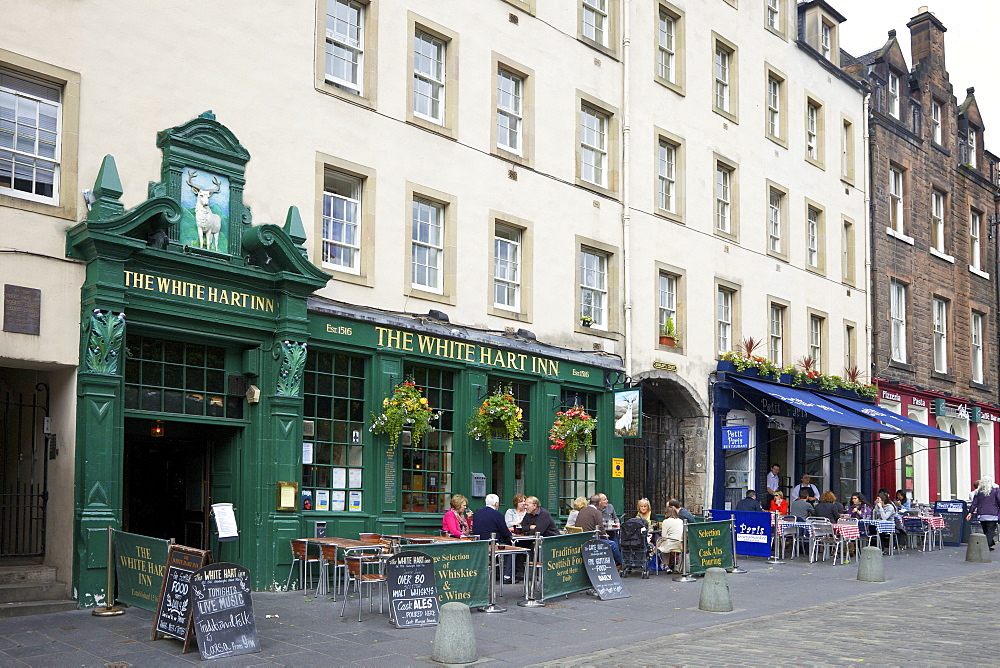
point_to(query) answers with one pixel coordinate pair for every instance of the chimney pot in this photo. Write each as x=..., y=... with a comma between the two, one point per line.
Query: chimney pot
x=892, y=33
x=970, y=90
x=922, y=10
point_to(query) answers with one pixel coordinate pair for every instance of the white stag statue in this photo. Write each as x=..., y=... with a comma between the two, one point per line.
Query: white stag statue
x=209, y=222
x=624, y=423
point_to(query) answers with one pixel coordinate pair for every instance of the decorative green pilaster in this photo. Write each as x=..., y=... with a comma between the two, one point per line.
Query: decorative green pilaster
x=293, y=361
x=107, y=332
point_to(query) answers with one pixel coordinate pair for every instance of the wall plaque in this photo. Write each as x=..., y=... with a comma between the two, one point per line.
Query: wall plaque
x=22, y=309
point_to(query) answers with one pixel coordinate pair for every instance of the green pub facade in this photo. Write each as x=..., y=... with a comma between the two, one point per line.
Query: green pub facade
x=210, y=374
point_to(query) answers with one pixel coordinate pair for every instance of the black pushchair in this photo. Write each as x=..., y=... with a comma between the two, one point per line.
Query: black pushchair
x=635, y=547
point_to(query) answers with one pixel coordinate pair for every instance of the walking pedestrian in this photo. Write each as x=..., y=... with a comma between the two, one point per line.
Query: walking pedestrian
x=986, y=505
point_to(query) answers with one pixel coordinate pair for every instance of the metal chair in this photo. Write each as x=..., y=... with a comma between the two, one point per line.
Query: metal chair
x=792, y=532
x=300, y=556
x=856, y=541
x=359, y=561
x=917, y=529
x=328, y=554
x=823, y=537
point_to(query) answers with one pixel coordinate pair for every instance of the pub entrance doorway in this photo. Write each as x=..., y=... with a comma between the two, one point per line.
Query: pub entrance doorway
x=168, y=479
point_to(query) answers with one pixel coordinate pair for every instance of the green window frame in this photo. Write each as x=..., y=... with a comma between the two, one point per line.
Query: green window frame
x=334, y=399
x=164, y=376
x=578, y=476
x=426, y=468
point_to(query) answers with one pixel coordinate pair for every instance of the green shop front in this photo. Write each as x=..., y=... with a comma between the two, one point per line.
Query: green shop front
x=209, y=374
x=353, y=481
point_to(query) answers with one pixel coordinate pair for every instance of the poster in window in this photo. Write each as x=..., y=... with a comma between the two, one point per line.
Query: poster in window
x=307, y=499
x=307, y=453
x=338, y=500
x=339, y=478
x=355, y=502
x=628, y=409
x=322, y=499
x=355, y=479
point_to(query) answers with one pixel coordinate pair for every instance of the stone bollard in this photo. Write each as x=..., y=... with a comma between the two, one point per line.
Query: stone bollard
x=454, y=639
x=977, y=551
x=715, y=592
x=870, y=567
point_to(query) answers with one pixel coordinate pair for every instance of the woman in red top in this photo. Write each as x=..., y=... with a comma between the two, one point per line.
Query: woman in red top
x=779, y=504
x=455, y=521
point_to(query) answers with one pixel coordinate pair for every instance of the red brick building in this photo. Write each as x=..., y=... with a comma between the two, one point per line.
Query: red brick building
x=933, y=267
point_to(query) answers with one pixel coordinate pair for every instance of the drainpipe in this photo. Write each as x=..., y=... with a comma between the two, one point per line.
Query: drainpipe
x=626, y=183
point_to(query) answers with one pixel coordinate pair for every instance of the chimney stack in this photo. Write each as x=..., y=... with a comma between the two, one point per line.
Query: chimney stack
x=927, y=39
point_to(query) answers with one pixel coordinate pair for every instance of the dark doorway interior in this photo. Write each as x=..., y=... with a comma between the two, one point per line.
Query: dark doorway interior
x=166, y=481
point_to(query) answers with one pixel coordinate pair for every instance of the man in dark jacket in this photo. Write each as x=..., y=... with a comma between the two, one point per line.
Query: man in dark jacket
x=488, y=520
x=537, y=519
x=591, y=519
x=748, y=503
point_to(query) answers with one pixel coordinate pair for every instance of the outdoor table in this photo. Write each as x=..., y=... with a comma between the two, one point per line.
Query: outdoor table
x=934, y=526
x=425, y=538
x=847, y=531
x=339, y=543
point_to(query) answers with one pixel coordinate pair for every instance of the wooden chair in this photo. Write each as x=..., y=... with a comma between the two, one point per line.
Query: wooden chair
x=329, y=560
x=374, y=538
x=359, y=561
x=574, y=530
x=300, y=556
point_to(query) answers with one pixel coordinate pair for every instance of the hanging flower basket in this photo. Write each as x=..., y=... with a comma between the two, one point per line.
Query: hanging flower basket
x=499, y=411
x=571, y=429
x=405, y=407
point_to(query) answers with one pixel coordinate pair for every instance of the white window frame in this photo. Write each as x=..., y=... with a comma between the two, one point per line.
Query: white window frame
x=776, y=334
x=723, y=66
x=427, y=239
x=507, y=267
x=594, y=145
x=724, y=319
x=896, y=199
x=595, y=21
x=774, y=106
x=845, y=149
x=668, y=299
x=775, y=201
x=774, y=14
x=937, y=220
x=347, y=222
x=847, y=242
x=667, y=176
x=15, y=154
x=723, y=198
x=346, y=43
x=975, y=240
x=976, y=331
x=816, y=340
x=825, y=39
x=970, y=139
x=428, y=84
x=594, y=287
x=897, y=321
x=812, y=131
x=936, y=122
x=667, y=47
x=510, y=110
x=892, y=98
x=812, y=236
x=940, y=311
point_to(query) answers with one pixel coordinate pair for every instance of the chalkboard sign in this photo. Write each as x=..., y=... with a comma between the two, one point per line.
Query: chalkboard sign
x=173, y=611
x=955, y=530
x=412, y=590
x=601, y=570
x=223, y=611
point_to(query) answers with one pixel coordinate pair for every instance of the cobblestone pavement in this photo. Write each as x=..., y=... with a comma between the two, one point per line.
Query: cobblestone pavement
x=950, y=622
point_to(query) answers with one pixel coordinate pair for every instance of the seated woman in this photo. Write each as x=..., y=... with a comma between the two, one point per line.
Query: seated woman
x=859, y=508
x=901, y=500
x=673, y=536
x=579, y=503
x=455, y=521
x=884, y=510
x=644, y=511
x=514, y=515
x=829, y=507
x=779, y=504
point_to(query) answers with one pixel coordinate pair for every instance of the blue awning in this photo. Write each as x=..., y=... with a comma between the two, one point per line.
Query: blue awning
x=817, y=406
x=905, y=425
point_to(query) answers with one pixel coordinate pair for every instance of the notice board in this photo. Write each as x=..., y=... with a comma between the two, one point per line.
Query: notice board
x=413, y=596
x=223, y=611
x=601, y=570
x=173, y=609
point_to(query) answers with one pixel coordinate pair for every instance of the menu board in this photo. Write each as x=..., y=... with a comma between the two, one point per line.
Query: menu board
x=173, y=611
x=601, y=570
x=412, y=590
x=223, y=611
x=955, y=529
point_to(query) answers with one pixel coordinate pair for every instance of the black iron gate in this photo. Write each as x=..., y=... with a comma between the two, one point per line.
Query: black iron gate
x=24, y=465
x=654, y=464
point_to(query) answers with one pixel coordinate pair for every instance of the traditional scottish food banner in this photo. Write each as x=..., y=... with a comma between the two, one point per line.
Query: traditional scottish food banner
x=564, y=572
x=753, y=531
x=710, y=544
x=140, y=562
x=462, y=571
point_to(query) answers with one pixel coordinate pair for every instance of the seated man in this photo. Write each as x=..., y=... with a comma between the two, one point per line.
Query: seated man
x=801, y=507
x=749, y=502
x=682, y=512
x=591, y=519
x=488, y=520
x=537, y=519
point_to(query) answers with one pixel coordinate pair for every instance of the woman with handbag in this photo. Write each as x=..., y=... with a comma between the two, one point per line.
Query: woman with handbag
x=986, y=504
